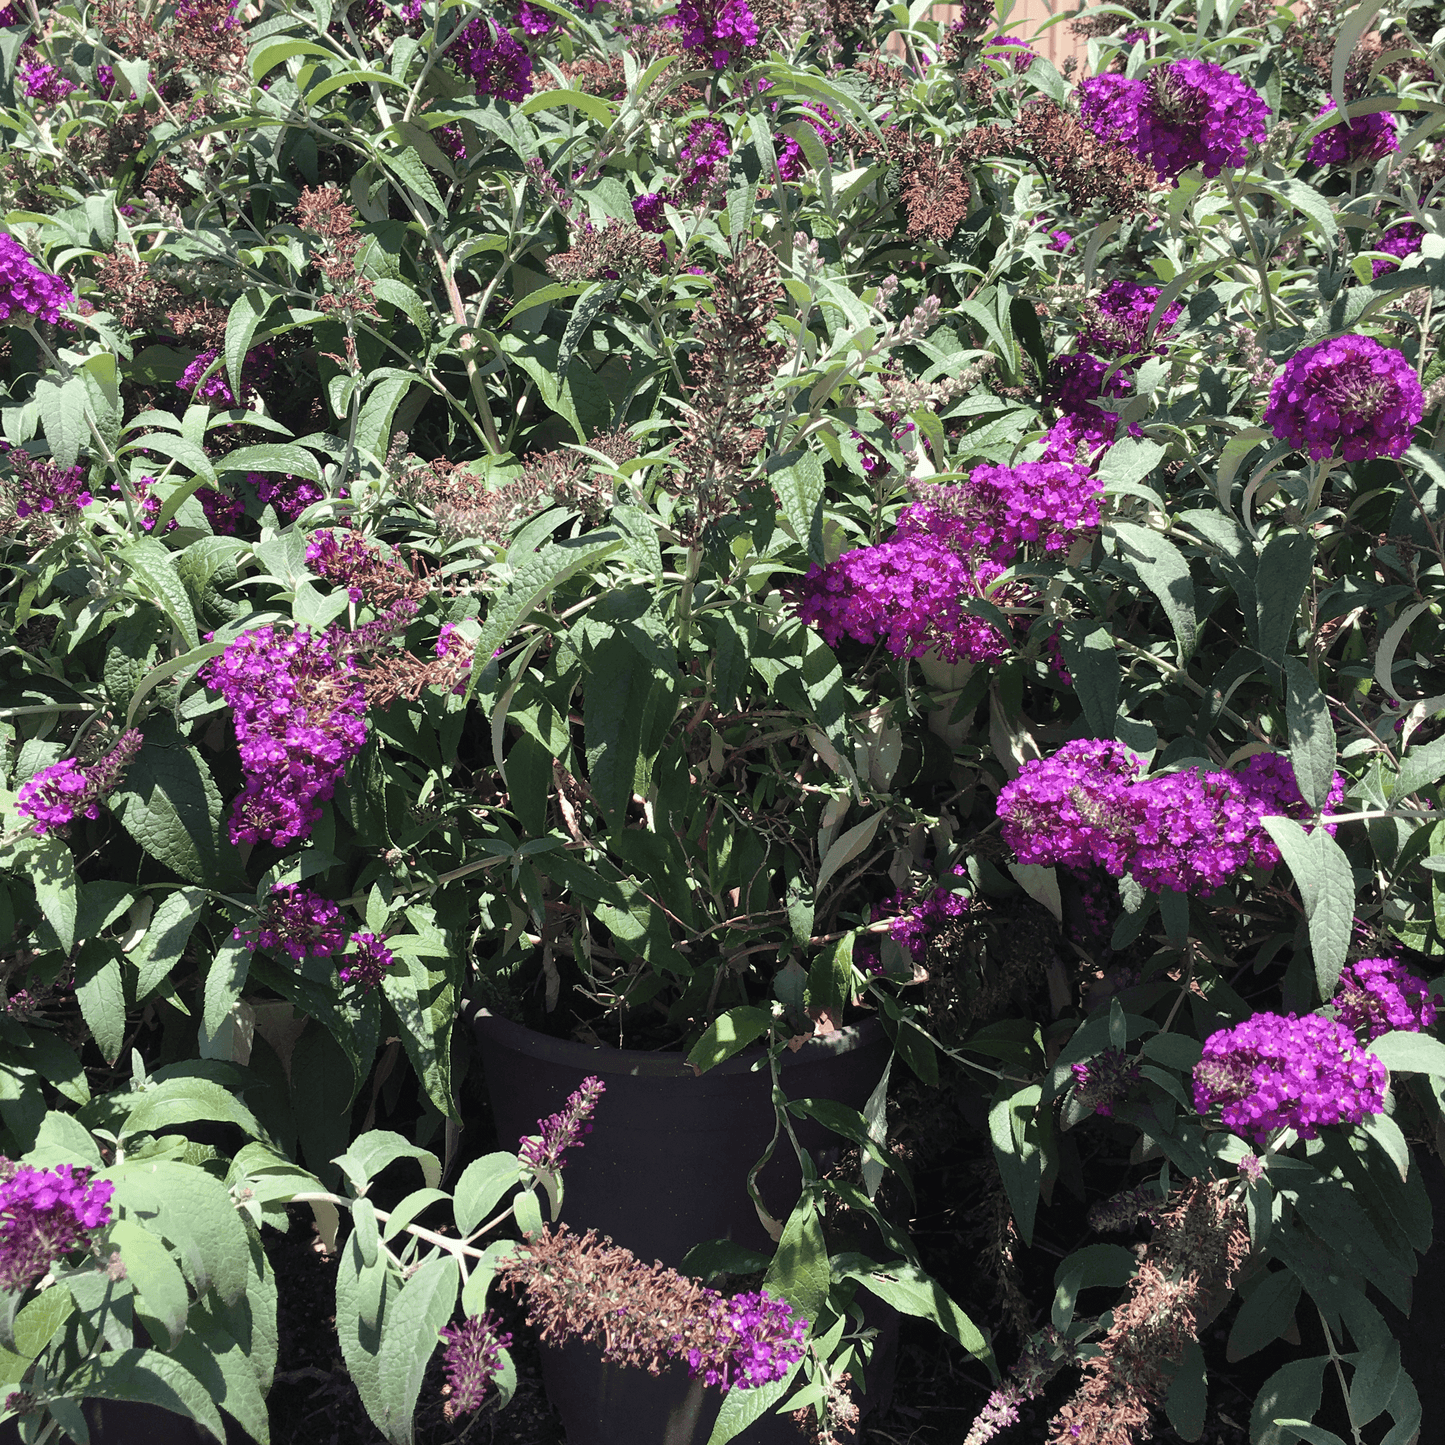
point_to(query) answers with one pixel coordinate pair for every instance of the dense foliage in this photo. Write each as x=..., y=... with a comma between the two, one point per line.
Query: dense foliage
x=664, y=523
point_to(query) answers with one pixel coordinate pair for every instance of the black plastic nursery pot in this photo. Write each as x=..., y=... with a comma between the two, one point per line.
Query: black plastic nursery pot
x=665, y=1168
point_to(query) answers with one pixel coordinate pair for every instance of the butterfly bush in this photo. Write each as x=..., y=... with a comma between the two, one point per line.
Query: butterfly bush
x=56, y=796
x=300, y=718
x=1190, y=831
x=563, y=1130
x=472, y=1360
x=1349, y=396
x=365, y=963
x=1401, y=241
x=1104, y=1080
x=28, y=292
x=298, y=922
x=1380, y=995
x=1361, y=140
x=1116, y=322
x=757, y=1339
x=44, y=1214
x=1187, y=113
x=716, y=31
x=494, y=62
x=1278, y=1071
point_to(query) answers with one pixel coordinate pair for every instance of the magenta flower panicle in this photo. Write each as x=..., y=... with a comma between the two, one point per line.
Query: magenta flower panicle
x=56, y=796
x=473, y=1359
x=367, y=965
x=1277, y=1071
x=1350, y=396
x=45, y=1213
x=563, y=1130
x=1381, y=995
x=26, y=291
x=298, y=922
x=1361, y=140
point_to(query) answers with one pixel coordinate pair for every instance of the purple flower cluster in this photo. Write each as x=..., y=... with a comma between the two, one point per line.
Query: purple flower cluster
x=1349, y=396
x=298, y=922
x=24, y=287
x=999, y=509
x=1187, y=113
x=716, y=31
x=1060, y=240
x=44, y=1213
x=1085, y=430
x=906, y=594
x=534, y=22
x=563, y=1130
x=1188, y=831
x=43, y=489
x=473, y=1360
x=915, y=923
x=223, y=512
x=1100, y=1082
x=43, y=83
x=1381, y=995
x=1079, y=380
x=1117, y=321
x=289, y=495
x=757, y=1340
x=1352, y=142
x=368, y=964
x=56, y=796
x=1277, y=1071
x=1400, y=240
x=299, y=713
x=706, y=147
x=340, y=561
x=647, y=211
x=256, y=368
x=494, y=62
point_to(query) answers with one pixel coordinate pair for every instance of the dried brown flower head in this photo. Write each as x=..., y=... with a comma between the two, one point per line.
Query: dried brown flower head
x=590, y=1289
x=618, y=249
x=1070, y=157
x=736, y=361
x=1183, y=1281
x=137, y=298
x=326, y=214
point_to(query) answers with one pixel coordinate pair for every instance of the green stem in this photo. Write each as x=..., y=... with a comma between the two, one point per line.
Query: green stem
x=1234, y=199
x=1340, y=1375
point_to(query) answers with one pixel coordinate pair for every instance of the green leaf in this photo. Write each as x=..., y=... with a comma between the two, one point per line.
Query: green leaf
x=36, y=1324
x=52, y=871
x=741, y=1408
x=170, y=804
x=1410, y=1053
x=799, y=1271
x=845, y=849
x=273, y=457
x=1012, y=1127
x=148, y=1377
x=425, y=1007
x=153, y=565
x=527, y=1211
x=915, y=1292
x=224, y=1366
x=1284, y=572
x=322, y=1087
x=410, y=1339
x=1162, y=569
x=624, y=700
x=800, y=490
x=407, y=166
x=225, y=979
x=180, y=449
x=830, y=979
x=1421, y=767
x=373, y=425
x=185, y=1100
x=368, y=1154
x=62, y=408
x=1094, y=1264
x=1094, y=665
x=155, y=1277
x=1292, y=1392
x=165, y=941
x=365, y=1299
x=101, y=995
x=730, y=1033
x=483, y=1183
x=1311, y=735
x=1267, y=1312
x=534, y=580
x=245, y=316
x=1188, y=1394
x=1327, y=886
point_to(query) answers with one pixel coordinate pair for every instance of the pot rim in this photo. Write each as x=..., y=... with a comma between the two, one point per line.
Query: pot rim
x=641, y=1063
